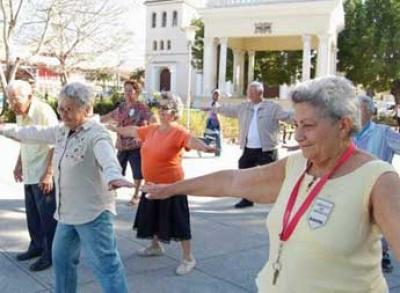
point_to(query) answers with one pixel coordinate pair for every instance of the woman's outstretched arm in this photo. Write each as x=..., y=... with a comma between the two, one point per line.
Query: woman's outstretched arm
x=128, y=131
x=260, y=184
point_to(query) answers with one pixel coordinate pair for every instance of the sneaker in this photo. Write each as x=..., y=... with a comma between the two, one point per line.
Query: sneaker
x=244, y=203
x=185, y=267
x=151, y=251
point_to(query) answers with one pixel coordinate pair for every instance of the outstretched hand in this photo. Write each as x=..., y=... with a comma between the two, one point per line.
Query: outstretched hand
x=111, y=127
x=118, y=183
x=157, y=191
x=212, y=149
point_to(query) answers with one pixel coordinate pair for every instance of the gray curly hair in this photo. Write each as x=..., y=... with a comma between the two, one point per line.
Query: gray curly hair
x=334, y=96
x=173, y=102
x=79, y=92
x=368, y=102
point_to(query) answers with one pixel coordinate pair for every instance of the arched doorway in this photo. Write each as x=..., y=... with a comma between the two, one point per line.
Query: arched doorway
x=165, y=80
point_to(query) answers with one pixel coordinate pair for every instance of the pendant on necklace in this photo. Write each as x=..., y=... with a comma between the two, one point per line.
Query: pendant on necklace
x=277, y=266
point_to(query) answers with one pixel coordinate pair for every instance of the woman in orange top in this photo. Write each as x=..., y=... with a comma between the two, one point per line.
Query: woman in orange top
x=162, y=144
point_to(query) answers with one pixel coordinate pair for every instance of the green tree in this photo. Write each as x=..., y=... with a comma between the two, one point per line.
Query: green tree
x=138, y=75
x=369, y=47
x=278, y=67
x=272, y=67
x=198, y=46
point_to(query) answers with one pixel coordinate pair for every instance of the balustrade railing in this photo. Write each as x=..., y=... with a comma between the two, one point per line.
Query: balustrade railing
x=230, y=3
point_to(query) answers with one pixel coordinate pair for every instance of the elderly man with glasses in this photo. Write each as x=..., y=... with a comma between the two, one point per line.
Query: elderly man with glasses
x=33, y=167
x=381, y=141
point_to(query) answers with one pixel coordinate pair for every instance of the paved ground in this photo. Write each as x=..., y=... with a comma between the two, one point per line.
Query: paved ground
x=230, y=245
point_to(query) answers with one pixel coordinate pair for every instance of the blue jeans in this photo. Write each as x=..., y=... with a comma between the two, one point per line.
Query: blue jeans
x=40, y=209
x=210, y=137
x=98, y=240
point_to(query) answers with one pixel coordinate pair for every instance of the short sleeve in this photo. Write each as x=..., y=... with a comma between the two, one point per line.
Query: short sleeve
x=49, y=117
x=143, y=131
x=116, y=111
x=148, y=113
x=184, y=137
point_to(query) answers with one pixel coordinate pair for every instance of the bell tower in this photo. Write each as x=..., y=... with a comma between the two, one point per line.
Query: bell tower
x=166, y=57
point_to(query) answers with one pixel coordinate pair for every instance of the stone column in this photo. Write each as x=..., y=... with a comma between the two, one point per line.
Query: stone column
x=241, y=72
x=155, y=78
x=209, y=66
x=172, y=71
x=323, y=61
x=250, y=73
x=306, y=57
x=223, y=42
x=333, y=58
x=149, y=74
x=236, y=72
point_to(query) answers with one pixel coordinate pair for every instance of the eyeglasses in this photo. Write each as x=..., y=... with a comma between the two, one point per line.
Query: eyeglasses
x=68, y=110
x=15, y=101
x=166, y=109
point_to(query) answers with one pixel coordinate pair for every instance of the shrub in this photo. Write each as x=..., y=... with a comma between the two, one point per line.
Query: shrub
x=8, y=116
x=230, y=126
x=103, y=107
x=388, y=120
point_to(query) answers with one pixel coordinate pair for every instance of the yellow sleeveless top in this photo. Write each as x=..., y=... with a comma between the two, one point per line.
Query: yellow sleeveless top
x=335, y=247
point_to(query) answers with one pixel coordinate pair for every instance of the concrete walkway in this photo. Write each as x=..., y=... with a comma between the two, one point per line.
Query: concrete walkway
x=230, y=245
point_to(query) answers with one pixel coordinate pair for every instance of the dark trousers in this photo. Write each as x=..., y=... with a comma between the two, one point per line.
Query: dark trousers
x=134, y=159
x=398, y=122
x=209, y=138
x=40, y=209
x=256, y=157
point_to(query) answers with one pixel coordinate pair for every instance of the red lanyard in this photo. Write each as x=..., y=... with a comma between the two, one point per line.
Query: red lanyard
x=288, y=225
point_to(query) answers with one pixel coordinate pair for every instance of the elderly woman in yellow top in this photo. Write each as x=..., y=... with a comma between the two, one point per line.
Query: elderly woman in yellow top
x=332, y=201
x=85, y=169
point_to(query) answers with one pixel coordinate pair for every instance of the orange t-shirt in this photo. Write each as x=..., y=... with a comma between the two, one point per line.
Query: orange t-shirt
x=161, y=152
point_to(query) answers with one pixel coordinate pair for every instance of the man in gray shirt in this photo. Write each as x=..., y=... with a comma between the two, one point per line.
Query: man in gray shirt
x=258, y=129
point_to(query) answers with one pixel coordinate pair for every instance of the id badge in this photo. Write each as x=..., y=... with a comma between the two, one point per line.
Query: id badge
x=320, y=213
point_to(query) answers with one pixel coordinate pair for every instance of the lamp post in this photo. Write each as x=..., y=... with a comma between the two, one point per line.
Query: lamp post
x=190, y=32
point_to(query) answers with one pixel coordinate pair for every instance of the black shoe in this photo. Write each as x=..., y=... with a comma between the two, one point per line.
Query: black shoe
x=41, y=265
x=244, y=203
x=386, y=263
x=27, y=255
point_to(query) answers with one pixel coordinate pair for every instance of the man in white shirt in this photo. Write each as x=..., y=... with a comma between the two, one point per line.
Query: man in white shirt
x=33, y=167
x=258, y=129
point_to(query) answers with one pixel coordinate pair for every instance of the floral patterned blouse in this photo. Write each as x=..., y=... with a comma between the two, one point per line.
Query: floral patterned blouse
x=137, y=114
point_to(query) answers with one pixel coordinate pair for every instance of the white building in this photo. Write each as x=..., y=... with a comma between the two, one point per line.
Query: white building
x=167, y=63
x=245, y=26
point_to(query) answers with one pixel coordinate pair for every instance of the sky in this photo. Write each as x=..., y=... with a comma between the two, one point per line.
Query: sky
x=131, y=52
x=135, y=18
